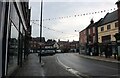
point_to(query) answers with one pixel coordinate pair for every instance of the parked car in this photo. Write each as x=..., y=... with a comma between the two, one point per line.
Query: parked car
x=47, y=52
x=58, y=51
x=50, y=52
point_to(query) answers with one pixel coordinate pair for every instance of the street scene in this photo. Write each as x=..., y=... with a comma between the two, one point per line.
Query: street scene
x=59, y=39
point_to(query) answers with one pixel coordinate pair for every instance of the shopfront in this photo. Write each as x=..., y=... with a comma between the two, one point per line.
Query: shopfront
x=16, y=47
x=12, y=37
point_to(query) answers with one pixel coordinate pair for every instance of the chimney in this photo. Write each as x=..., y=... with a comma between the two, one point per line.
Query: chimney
x=91, y=22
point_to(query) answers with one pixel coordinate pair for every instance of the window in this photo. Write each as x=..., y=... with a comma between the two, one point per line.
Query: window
x=106, y=38
x=84, y=32
x=116, y=24
x=89, y=31
x=0, y=10
x=13, y=48
x=93, y=29
x=14, y=16
x=102, y=28
x=93, y=38
x=108, y=27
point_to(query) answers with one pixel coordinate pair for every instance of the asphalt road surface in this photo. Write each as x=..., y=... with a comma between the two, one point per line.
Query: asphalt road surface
x=53, y=69
x=88, y=67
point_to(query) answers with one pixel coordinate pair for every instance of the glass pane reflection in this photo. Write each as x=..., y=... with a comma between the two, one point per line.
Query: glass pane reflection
x=13, y=48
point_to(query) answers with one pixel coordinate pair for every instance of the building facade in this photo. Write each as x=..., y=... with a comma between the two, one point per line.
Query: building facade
x=74, y=46
x=36, y=45
x=92, y=38
x=64, y=45
x=106, y=31
x=15, y=32
x=82, y=41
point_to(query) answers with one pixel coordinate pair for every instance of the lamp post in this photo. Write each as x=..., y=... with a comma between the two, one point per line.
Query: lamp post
x=117, y=35
x=41, y=29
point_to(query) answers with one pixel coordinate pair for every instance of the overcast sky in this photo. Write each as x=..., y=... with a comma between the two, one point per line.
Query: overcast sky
x=64, y=29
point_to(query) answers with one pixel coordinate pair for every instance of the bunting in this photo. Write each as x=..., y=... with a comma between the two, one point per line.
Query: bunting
x=54, y=30
x=77, y=15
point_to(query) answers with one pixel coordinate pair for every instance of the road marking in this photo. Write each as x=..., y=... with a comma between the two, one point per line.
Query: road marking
x=78, y=74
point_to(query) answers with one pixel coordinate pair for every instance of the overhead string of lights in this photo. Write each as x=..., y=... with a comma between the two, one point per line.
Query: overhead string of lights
x=77, y=15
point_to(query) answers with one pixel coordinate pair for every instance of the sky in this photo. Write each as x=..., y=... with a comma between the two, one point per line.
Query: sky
x=67, y=28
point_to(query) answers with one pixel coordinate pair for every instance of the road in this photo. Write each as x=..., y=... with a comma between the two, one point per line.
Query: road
x=53, y=69
x=88, y=67
x=67, y=65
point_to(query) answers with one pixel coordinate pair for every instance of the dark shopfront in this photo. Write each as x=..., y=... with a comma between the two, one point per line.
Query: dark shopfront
x=108, y=49
x=93, y=49
x=14, y=38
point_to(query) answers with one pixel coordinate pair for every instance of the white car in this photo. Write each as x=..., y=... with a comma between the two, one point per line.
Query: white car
x=58, y=51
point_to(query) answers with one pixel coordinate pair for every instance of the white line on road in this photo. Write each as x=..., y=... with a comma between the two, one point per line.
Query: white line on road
x=78, y=74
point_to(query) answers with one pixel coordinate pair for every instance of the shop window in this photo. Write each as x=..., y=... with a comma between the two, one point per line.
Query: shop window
x=13, y=48
x=14, y=16
x=0, y=10
x=23, y=45
x=106, y=38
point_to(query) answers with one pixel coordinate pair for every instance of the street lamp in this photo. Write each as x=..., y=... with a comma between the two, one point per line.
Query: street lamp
x=41, y=30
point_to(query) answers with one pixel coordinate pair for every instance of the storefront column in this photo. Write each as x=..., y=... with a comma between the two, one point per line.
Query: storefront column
x=4, y=41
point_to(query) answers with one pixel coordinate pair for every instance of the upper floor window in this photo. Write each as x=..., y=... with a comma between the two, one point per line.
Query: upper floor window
x=93, y=38
x=89, y=31
x=116, y=24
x=93, y=29
x=102, y=28
x=108, y=27
x=84, y=32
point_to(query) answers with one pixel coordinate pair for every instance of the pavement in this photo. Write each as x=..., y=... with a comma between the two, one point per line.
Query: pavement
x=49, y=68
x=31, y=67
x=101, y=58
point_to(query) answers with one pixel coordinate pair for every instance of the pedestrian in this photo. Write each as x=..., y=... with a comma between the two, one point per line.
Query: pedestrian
x=115, y=55
x=109, y=52
x=106, y=52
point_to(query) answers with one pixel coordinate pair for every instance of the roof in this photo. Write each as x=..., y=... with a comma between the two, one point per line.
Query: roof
x=38, y=39
x=94, y=24
x=110, y=17
x=98, y=22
